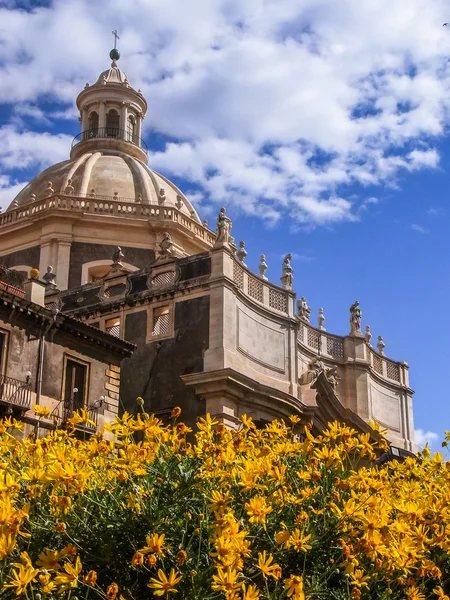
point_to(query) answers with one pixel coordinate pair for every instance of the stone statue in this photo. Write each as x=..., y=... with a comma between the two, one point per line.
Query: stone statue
x=321, y=319
x=368, y=335
x=381, y=345
x=304, y=311
x=179, y=202
x=331, y=373
x=49, y=277
x=162, y=196
x=118, y=256
x=355, y=318
x=166, y=245
x=223, y=228
x=263, y=267
x=205, y=223
x=49, y=191
x=287, y=276
x=242, y=252
x=69, y=189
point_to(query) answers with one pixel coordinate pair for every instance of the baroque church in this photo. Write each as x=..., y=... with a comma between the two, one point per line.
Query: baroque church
x=112, y=288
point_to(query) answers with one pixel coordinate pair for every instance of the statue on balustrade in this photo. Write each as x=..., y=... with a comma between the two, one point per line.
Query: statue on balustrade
x=49, y=277
x=304, y=311
x=287, y=276
x=355, y=319
x=223, y=228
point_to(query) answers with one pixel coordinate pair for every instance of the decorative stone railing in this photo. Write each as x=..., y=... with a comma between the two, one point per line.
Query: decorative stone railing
x=321, y=342
x=385, y=367
x=107, y=205
x=332, y=346
x=260, y=290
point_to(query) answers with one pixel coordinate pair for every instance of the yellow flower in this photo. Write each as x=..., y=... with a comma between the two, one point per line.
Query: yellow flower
x=155, y=544
x=138, y=559
x=49, y=560
x=176, y=412
x=294, y=587
x=21, y=578
x=257, y=509
x=7, y=545
x=266, y=567
x=69, y=578
x=299, y=542
x=41, y=411
x=112, y=591
x=250, y=593
x=219, y=502
x=181, y=558
x=359, y=579
x=226, y=580
x=151, y=560
x=91, y=578
x=440, y=593
x=164, y=585
x=282, y=537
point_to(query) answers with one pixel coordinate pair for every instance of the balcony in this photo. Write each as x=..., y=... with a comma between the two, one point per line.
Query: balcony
x=64, y=411
x=15, y=393
x=110, y=133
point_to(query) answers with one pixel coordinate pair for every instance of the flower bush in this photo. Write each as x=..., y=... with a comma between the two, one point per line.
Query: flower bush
x=257, y=513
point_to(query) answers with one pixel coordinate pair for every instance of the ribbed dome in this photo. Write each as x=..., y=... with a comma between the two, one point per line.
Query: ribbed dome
x=106, y=175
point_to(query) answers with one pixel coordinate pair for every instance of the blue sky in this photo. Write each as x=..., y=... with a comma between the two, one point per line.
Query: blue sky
x=321, y=126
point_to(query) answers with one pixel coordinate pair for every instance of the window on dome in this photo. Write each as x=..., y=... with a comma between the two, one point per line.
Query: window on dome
x=93, y=125
x=112, y=124
x=131, y=129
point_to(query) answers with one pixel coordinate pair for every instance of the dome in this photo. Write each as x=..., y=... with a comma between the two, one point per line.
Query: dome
x=113, y=175
x=112, y=75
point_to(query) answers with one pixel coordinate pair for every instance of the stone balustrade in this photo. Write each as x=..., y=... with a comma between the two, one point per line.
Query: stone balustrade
x=106, y=205
x=333, y=347
x=261, y=291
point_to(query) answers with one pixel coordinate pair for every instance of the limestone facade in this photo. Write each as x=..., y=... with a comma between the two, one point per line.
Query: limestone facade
x=131, y=258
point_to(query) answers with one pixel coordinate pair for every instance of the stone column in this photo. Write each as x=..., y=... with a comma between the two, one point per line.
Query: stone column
x=84, y=119
x=63, y=264
x=102, y=115
x=139, y=128
x=124, y=119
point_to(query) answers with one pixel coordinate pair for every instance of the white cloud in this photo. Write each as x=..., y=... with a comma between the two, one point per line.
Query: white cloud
x=418, y=228
x=435, y=212
x=20, y=150
x=422, y=437
x=9, y=190
x=274, y=106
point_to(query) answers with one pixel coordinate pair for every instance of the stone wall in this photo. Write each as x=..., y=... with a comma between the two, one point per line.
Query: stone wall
x=154, y=370
x=82, y=253
x=27, y=256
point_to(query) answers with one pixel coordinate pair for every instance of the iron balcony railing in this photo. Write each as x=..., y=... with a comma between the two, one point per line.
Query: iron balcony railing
x=110, y=133
x=64, y=410
x=15, y=392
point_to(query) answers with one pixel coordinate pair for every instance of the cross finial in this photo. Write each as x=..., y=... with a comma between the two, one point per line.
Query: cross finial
x=116, y=37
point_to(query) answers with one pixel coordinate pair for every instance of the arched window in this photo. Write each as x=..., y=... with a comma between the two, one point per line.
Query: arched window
x=112, y=123
x=93, y=125
x=131, y=128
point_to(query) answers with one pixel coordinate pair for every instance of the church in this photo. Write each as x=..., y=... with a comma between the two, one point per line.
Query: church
x=113, y=289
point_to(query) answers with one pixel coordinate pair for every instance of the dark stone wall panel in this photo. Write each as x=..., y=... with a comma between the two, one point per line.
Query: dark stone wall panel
x=136, y=327
x=82, y=253
x=27, y=256
x=192, y=269
x=154, y=370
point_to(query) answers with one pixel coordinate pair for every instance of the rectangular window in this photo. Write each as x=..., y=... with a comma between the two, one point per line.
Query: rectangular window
x=75, y=386
x=161, y=321
x=112, y=326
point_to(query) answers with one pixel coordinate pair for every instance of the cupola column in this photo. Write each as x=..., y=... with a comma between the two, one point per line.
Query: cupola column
x=124, y=116
x=139, y=127
x=102, y=115
x=84, y=119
